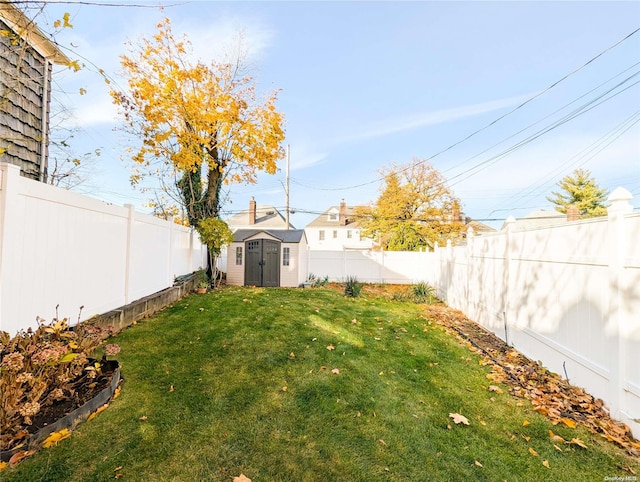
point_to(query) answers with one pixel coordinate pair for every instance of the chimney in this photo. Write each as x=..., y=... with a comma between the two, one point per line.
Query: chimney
x=252, y=211
x=342, y=216
x=573, y=214
x=456, y=215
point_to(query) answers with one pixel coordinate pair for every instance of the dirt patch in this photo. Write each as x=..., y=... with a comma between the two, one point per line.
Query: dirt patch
x=549, y=393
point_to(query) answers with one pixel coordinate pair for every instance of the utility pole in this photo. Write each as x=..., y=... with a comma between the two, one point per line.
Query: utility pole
x=286, y=189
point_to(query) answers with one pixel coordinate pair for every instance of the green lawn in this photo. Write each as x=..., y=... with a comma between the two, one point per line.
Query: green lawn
x=308, y=385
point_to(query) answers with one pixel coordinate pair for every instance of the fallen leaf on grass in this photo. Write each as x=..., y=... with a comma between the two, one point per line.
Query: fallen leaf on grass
x=284, y=389
x=292, y=355
x=55, y=438
x=18, y=456
x=478, y=464
x=354, y=321
x=568, y=422
x=577, y=441
x=525, y=437
x=557, y=448
x=336, y=371
x=171, y=389
x=545, y=463
x=118, y=469
x=533, y=452
x=525, y=423
x=143, y=418
x=382, y=442
x=3, y=465
x=331, y=347
x=457, y=418
x=494, y=388
x=241, y=478
x=556, y=438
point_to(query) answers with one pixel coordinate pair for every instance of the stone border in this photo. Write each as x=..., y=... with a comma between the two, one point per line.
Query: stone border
x=125, y=316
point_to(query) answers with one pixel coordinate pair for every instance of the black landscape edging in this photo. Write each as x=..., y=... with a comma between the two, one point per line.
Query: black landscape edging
x=70, y=420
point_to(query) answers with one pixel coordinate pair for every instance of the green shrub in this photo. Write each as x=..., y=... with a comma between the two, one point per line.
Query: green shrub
x=351, y=287
x=316, y=281
x=424, y=293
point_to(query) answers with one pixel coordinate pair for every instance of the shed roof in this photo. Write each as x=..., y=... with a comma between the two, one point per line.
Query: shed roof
x=284, y=235
x=28, y=30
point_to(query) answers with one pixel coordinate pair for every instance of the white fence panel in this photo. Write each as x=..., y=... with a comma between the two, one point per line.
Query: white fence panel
x=371, y=266
x=568, y=296
x=61, y=248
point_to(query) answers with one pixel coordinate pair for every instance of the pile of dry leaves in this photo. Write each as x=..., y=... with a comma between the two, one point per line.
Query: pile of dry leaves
x=550, y=394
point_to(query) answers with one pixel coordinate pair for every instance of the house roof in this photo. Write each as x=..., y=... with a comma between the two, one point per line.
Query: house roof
x=266, y=217
x=478, y=227
x=539, y=219
x=284, y=235
x=28, y=30
x=323, y=221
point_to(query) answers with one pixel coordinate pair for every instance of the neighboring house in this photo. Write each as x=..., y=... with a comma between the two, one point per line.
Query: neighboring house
x=26, y=61
x=478, y=227
x=336, y=229
x=257, y=217
x=267, y=258
x=543, y=219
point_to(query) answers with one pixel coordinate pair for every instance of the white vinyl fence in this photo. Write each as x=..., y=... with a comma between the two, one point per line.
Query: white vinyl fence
x=61, y=248
x=567, y=295
x=394, y=267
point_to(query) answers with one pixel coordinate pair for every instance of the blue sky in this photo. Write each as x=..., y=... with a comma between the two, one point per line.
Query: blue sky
x=365, y=84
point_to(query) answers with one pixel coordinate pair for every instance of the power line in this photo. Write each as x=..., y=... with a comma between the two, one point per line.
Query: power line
x=592, y=150
x=554, y=84
x=569, y=117
x=27, y=3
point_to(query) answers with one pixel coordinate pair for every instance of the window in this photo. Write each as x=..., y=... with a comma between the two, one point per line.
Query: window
x=321, y=235
x=285, y=256
x=238, y=256
x=333, y=216
x=335, y=234
x=349, y=234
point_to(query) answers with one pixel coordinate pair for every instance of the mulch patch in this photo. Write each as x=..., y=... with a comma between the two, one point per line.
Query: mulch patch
x=88, y=394
x=549, y=393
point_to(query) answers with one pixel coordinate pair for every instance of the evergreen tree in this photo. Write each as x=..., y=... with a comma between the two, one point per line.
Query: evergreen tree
x=580, y=188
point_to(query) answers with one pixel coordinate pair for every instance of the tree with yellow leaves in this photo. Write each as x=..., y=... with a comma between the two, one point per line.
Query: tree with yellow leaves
x=200, y=125
x=415, y=209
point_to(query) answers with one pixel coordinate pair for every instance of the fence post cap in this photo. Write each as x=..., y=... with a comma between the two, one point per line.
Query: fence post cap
x=619, y=200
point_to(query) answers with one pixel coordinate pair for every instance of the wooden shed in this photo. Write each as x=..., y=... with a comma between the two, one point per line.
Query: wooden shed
x=26, y=60
x=267, y=258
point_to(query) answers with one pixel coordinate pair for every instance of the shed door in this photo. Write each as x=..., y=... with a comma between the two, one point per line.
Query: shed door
x=262, y=263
